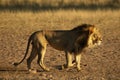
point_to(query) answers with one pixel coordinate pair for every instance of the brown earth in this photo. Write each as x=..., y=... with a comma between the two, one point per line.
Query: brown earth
x=100, y=63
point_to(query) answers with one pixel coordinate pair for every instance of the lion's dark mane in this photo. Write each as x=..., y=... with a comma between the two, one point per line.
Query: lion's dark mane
x=82, y=38
x=81, y=27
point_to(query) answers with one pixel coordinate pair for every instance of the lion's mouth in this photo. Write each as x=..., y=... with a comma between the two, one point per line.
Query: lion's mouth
x=97, y=44
x=93, y=44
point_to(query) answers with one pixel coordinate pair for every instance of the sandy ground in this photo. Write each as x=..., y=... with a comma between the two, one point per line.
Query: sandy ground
x=100, y=63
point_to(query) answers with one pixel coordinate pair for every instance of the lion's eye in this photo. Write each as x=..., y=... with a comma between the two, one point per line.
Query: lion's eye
x=94, y=36
x=100, y=39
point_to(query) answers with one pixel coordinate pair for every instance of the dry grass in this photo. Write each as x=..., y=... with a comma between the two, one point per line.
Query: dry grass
x=102, y=63
x=55, y=19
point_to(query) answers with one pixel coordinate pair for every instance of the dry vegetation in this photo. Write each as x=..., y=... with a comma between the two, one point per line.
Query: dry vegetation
x=100, y=63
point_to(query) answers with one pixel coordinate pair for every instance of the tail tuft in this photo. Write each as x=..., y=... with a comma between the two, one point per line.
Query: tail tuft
x=15, y=64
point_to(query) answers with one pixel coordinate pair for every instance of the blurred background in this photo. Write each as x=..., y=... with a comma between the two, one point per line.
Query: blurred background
x=37, y=5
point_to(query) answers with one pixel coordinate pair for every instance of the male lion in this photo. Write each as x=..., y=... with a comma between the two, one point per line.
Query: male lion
x=72, y=42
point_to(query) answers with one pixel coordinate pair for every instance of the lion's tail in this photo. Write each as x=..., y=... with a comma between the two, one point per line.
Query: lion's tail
x=28, y=45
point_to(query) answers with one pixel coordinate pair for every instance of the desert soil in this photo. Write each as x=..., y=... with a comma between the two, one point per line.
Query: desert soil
x=99, y=63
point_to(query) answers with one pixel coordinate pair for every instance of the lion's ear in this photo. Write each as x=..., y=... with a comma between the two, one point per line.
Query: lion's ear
x=91, y=29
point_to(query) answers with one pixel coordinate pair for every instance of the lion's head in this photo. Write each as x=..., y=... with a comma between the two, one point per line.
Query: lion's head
x=94, y=37
x=89, y=37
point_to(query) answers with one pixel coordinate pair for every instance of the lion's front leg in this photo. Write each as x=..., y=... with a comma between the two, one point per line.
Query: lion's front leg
x=69, y=63
x=78, y=59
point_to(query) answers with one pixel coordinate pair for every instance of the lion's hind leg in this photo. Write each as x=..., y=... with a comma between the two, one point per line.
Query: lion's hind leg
x=30, y=59
x=41, y=55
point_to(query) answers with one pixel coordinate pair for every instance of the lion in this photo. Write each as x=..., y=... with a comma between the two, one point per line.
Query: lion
x=72, y=42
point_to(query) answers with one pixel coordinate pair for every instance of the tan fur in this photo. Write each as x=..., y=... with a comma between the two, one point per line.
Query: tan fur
x=72, y=42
